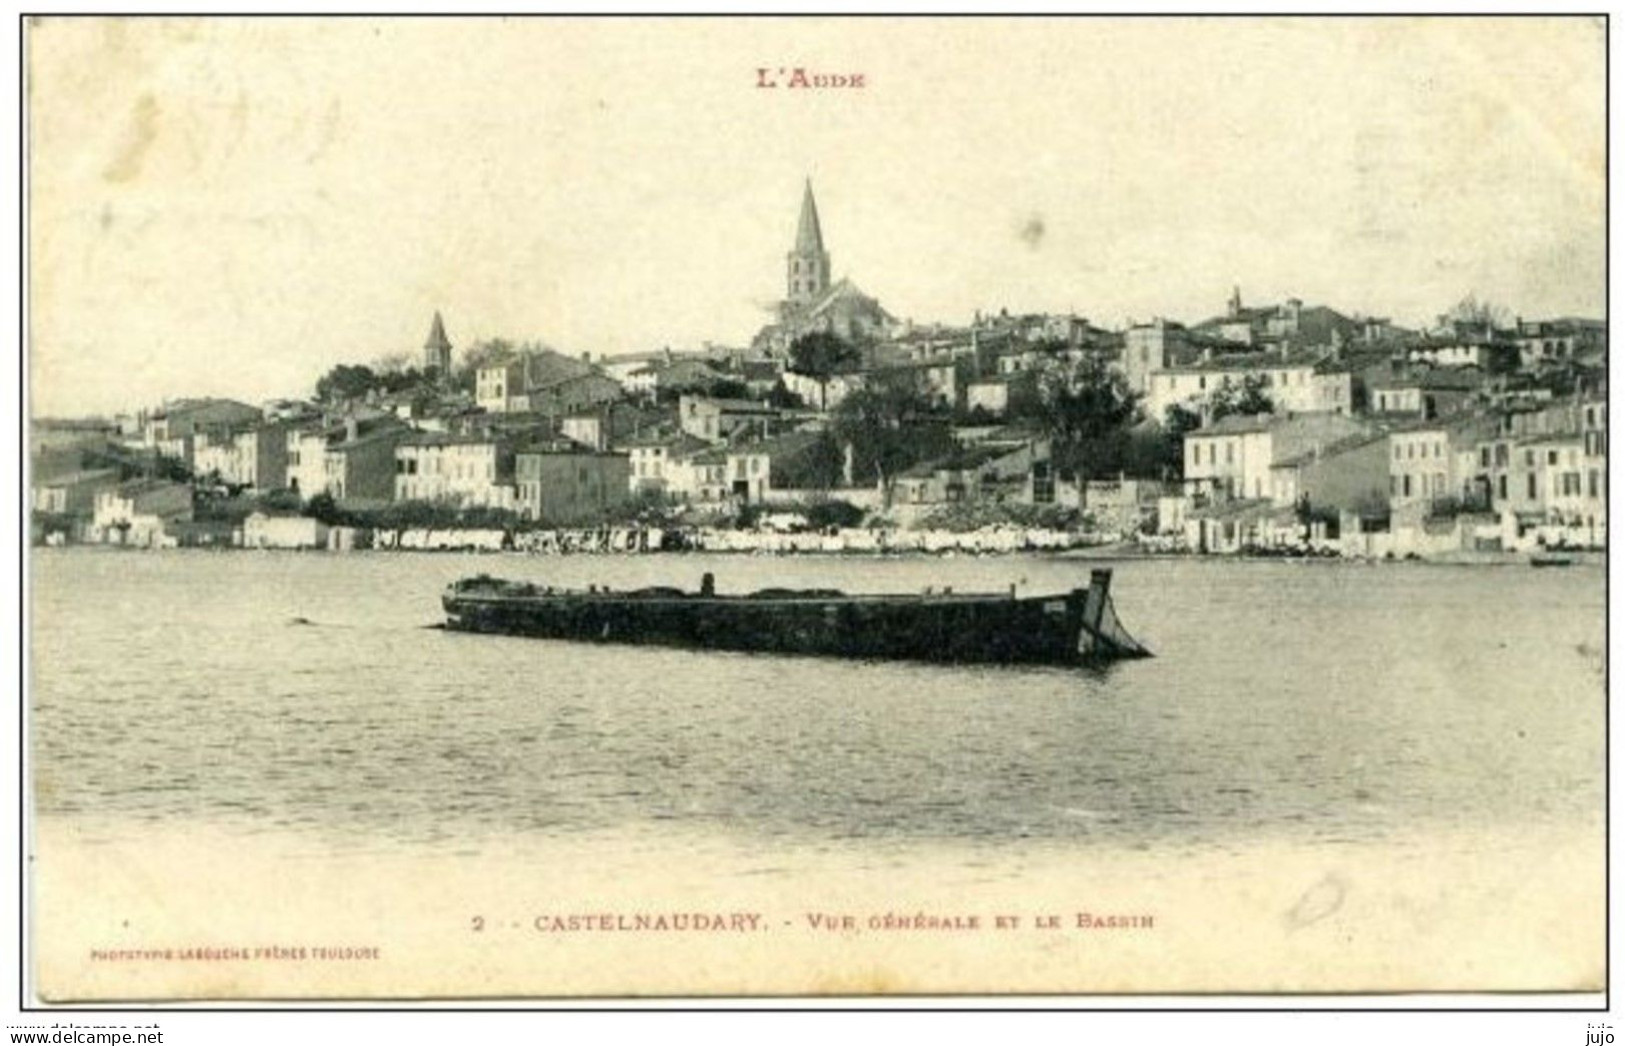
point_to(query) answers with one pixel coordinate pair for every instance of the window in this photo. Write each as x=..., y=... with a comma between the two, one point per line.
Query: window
x=1043, y=483
x=1591, y=483
x=1484, y=457
x=1393, y=485
x=1396, y=451
x=1407, y=484
x=1531, y=486
x=1501, y=485
x=1551, y=457
x=1229, y=453
x=1528, y=459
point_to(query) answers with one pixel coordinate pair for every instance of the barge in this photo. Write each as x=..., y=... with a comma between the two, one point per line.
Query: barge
x=1076, y=627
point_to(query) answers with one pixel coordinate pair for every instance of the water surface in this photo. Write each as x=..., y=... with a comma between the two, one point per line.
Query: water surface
x=1309, y=702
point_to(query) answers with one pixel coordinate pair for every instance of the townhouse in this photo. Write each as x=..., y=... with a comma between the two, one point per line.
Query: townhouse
x=563, y=483
x=465, y=470
x=1232, y=457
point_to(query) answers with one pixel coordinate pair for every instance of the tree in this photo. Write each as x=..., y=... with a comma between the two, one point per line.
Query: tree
x=1167, y=451
x=780, y=396
x=1503, y=359
x=815, y=467
x=645, y=506
x=1088, y=410
x=834, y=513
x=401, y=516
x=346, y=382
x=488, y=517
x=822, y=355
x=408, y=378
x=1472, y=312
x=1084, y=402
x=490, y=353
x=1247, y=397
x=1179, y=419
x=173, y=469
x=279, y=500
x=890, y=426
x=323, y=507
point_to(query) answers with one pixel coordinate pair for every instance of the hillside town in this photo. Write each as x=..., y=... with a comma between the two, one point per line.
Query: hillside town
x=1286, y=428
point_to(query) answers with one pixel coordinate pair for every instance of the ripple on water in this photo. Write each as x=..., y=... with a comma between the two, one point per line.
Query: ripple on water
x=1395, y=698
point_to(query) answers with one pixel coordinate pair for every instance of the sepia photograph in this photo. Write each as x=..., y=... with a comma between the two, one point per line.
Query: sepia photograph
x=820, y=507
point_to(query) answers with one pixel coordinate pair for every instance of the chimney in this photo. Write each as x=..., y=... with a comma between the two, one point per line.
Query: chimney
x=352, y=429
x=586, y=357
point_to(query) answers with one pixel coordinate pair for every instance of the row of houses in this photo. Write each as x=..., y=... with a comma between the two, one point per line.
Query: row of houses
x=1534, y=469
x=1304, y=358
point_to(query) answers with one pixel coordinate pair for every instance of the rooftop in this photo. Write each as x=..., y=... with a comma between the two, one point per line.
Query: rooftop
x=442, y=439
x=1232, y=361
x=1459, y=379
x=1332, y=449
x=965, y=460
x=68, y=479
x=565, y=445
x=736, y=406
x=680, y=444
x=147, y=485
x=1236, y=424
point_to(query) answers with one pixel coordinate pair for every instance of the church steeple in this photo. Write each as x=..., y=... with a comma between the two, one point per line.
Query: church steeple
x=809, y=237
x=437, y=349
x=807, y=268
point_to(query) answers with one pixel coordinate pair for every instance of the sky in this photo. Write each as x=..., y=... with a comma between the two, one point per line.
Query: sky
x=233, y=206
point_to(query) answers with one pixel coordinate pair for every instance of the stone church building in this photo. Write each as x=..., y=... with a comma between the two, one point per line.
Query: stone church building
x=812, y=302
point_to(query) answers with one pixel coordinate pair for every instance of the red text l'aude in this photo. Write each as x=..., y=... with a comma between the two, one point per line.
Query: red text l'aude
x=801, y=78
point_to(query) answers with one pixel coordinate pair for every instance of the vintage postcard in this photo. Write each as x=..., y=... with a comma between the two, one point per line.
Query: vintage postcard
x=559, y=507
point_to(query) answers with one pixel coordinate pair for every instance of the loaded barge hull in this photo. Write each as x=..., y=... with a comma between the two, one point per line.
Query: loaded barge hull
x=1067, y=628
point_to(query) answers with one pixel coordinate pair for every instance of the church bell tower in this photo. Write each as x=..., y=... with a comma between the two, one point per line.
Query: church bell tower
x=437, y=349
x=807, y=269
